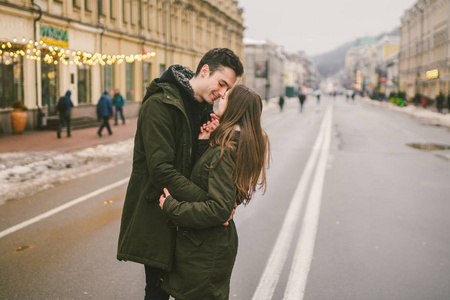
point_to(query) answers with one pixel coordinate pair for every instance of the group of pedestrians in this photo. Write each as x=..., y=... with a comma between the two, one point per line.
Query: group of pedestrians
x=104, y=111
x=301, y=97
x=419, y=99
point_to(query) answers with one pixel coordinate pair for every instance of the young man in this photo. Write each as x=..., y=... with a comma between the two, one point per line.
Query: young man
x=104, y=111
x=119, y=103
x=64, y=107
x=173, y=109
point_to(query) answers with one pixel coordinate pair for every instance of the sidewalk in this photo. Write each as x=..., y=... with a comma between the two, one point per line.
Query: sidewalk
x=429, y=114
x=46, y=140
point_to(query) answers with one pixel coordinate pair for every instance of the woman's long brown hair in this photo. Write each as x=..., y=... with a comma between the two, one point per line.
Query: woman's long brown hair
x=244, y=108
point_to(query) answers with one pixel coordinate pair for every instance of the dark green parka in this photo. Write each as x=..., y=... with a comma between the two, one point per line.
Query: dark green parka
x=205, y=249
x=162, y=158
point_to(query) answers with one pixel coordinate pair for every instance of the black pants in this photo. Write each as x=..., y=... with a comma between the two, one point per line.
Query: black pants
x=119, y=110
x=105, y=123
x=64, y=120
x=152, y=292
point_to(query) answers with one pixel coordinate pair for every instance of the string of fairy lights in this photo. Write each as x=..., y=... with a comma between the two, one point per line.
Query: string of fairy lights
x=50, y=54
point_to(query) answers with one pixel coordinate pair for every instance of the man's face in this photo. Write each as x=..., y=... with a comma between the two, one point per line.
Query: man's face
x=214, y=86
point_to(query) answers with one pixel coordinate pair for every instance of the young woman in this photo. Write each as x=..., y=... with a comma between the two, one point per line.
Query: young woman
x=231, y=169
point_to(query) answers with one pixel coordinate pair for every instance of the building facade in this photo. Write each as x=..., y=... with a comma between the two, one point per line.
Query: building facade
x=361, y=68
x=50, y=46
x=264, y=67
x=424, y=49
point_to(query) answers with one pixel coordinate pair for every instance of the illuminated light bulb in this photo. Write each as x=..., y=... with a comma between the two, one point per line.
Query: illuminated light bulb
x=23, y=40
x=14, y=40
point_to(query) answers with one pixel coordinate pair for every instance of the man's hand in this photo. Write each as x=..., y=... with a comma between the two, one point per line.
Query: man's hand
x=207, y=128
x=231, y=217
x=163, y=198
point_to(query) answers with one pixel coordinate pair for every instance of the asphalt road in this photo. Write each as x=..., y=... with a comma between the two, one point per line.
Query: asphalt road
x=350, y=212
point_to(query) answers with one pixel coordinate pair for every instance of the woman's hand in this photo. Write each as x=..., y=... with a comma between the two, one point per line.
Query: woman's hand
x=163, y=198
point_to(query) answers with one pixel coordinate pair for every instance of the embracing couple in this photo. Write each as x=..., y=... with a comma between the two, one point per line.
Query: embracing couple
x=191, y=168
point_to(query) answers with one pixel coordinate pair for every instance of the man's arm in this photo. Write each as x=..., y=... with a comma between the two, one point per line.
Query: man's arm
x=158, y=135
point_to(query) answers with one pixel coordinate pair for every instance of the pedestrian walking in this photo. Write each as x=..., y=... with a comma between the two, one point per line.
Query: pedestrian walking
x=64, y=107
x=165, y=147
x=206, y=233
x=448, y=103
x=118, y=103
x=416, y=99
x=104, y=112
x=301, y=98
x=318, y=96
x=440, y=102
x=281, y=102
x=353, y=96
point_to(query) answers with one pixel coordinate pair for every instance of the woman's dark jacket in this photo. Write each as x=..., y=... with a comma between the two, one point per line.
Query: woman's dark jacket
x=205, y=249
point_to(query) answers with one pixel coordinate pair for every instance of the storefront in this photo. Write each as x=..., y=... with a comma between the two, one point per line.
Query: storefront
x=11, y=74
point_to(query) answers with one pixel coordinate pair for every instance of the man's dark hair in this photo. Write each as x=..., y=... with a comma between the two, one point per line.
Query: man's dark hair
x=218, y=58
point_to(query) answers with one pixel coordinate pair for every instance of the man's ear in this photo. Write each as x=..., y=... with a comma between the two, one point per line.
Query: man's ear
x=204, y=70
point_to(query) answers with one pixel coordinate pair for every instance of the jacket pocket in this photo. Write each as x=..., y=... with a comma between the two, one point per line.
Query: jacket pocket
x=195, y=237
x=152, y=196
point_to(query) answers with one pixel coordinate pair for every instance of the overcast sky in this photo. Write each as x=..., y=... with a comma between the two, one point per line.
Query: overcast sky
x=318, y=26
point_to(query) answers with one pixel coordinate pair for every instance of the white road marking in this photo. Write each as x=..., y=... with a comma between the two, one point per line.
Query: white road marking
x=61, y=208
x=295, y=288
x=274, y=267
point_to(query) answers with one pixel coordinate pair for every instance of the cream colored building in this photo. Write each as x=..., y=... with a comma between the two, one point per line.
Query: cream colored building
x=360, y=67
x=51, y=46
x=424, y=48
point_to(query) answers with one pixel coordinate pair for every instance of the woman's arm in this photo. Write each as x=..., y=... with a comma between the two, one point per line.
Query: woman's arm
x=215, y=211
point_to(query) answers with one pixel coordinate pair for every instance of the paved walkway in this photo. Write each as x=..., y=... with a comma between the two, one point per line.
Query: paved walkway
x=46, y=140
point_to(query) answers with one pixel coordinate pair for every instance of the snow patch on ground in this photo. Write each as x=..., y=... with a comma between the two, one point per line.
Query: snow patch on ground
x=24, y=173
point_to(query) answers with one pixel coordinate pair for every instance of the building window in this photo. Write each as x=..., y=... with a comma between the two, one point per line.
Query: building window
x=111, y=9
x=87, y=5
x=147, y=74
x=11, y=79
x=49, y=84
x=76, y=3
x=108, y=78
x=162, y=68
x=129, y=73
x=84, y=84
x=125, y=10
